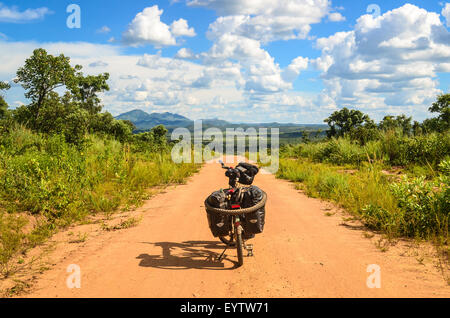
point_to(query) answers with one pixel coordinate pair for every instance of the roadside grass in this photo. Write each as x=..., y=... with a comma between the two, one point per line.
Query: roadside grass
x=57, y=184
x=411, y=207
x=420, y=154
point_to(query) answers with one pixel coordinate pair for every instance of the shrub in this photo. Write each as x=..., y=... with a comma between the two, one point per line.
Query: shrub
x=423, y=206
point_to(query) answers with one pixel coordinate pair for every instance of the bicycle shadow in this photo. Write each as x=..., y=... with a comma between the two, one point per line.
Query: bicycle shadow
x=186, y=255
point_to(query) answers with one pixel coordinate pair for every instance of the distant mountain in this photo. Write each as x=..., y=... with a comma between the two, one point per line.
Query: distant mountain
x=145, y=121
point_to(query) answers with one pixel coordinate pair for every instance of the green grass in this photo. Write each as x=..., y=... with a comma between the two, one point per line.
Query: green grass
x=411, y=207
x=391, y=149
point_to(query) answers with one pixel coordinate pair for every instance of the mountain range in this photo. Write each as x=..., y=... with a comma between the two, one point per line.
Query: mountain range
x=145, y=121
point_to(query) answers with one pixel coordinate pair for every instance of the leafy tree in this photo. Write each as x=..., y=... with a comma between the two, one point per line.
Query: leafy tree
x=58, y=115
x=153, y=140
x=120, y=130
x=42, y=74
x=129, y=123
x=86, y=90
x=4, y=86
x=306, y=136
x=345, y=121
x=3, y=107
x=442, y=107
x=159, y=132
x=3, y=103
x=400, y=122
x=417, y=128
x=101, y=123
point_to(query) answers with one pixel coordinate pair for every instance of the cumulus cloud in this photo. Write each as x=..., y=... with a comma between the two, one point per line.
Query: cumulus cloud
x=263, y=20
x=13, y=15
x=180, y=28
x=390, y=60
x=147, y=28
x=262, y=74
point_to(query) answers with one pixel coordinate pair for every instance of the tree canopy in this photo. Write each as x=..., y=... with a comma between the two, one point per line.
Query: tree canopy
x=346, y=121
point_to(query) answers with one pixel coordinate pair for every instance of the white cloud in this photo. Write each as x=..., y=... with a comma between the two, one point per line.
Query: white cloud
x=180, y=28
x=293, y=70
x=336, y=17
x=446, y=13
x=147, y=28
x=185, y=53
x=13, y=15
x=262, y=74
x=265, y=20
x=386, y=61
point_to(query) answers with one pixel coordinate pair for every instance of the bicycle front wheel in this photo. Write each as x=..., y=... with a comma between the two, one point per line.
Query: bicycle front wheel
x=228, y=240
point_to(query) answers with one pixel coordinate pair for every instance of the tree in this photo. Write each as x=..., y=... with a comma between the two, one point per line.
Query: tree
x=400, y=122
x=3, y=107
x=3, y=103
x=159, y=132
x=345, y=121
x=306, y=136
x=86, y=90
x=42, y=74
x=120, y=130
x=417, y=129
x=442, y=107
x=153, y=140
x=4, y=86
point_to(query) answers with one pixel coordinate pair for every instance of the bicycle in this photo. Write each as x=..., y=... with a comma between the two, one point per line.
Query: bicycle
x=234, y=197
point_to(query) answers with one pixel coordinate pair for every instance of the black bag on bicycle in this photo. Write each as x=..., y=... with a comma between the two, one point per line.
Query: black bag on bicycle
x=247, y=172
x=253, y=223
x=219, y=224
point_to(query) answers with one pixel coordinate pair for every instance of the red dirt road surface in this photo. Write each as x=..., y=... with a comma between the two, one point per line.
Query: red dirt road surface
x=302, y=253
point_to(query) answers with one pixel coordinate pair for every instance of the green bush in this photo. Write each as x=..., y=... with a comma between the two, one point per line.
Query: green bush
x=426, y=207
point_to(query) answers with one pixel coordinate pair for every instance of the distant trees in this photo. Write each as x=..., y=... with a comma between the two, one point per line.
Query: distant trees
x=345, y=121
x=400, y=122
x=154, y=140
x=354, y=123
x=359, y=127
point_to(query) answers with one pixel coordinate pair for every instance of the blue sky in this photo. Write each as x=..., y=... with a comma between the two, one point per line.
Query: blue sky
x=286, y=61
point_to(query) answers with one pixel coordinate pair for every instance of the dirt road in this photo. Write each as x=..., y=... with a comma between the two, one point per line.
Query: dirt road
x=302, y=253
